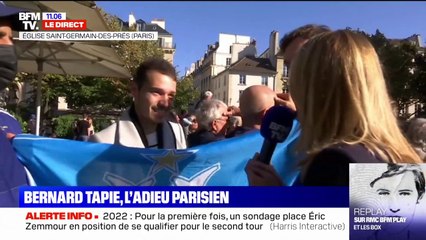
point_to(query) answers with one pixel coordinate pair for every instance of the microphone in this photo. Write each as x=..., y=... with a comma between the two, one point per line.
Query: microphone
x=275, y=128
x=187, y=122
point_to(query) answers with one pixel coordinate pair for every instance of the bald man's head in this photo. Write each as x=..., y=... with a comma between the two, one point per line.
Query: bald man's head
x=254, y=101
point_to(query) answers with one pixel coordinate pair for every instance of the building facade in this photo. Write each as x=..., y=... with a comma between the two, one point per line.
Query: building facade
x=248, y=71
x=165, y=39
x=231, y=65
x=218, y=57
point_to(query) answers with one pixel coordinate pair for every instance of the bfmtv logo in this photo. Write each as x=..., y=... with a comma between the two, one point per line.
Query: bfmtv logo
x=29, y=20
x=278, y=132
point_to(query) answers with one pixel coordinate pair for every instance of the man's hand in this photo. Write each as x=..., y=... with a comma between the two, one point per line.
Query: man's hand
x=234, y=111
x=284, y=99
x=10, y=136
x=261, y=174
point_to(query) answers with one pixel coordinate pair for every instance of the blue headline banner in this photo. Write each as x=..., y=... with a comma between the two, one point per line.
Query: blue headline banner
x=241, y=197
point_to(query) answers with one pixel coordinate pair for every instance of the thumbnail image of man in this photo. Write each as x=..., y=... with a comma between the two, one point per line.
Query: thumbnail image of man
x=399, y=190
x=393, y=194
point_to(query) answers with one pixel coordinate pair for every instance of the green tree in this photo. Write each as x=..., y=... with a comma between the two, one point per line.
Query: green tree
x=132, y=52
x=83, y=93
x=403, y=67
x=379, y=41
x=185, y=94
x=398, y=64
x=419, y=82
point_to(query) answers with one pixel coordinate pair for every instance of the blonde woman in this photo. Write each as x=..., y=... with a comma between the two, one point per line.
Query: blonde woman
x=339, y=91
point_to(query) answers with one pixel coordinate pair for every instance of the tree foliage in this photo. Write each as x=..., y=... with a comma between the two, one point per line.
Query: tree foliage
x=419, y=83
x=186, y=94
x=132, y=52
x=404, y=68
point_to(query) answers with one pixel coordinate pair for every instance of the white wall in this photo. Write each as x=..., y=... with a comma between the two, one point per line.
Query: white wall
x=235, y=87
x=215, y=62
x=62, y=103
x=221, y=58
x=226, y=40
x=167, y=42
x=159, y=22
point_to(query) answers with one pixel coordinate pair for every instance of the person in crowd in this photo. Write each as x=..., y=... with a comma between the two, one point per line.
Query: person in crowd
x=32, y=124
x=290, y=46
x=83, y=129
x=145, y=124
x=254, y=102
x=344, y=110
x=212, y=117
x=416, y=134
x=12, y=172
x=207, y=95
x=91, y=129
x=187, y=122
x=75, y=128
x=234, y=124
x=234, y=111
x=193, y=127
x=398, y=191
x=173, y=117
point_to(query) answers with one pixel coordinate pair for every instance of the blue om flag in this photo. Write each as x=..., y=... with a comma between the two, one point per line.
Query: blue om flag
x=59, y=162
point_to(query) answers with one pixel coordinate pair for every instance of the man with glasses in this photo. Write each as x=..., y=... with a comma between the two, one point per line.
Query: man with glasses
x=212, y=117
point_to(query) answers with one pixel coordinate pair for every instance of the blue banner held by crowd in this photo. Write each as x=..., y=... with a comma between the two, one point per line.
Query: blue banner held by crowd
x=59, y=162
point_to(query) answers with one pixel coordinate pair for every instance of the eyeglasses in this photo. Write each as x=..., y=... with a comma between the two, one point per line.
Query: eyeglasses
x=223, y=118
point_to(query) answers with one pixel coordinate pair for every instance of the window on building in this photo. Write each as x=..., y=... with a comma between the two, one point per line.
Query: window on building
x=265, y=80
x=224, y=96
x=224, y=81
x=161, y=42
x=228, y=61
x=285, y=72
x=230, y=49
x=242, y=79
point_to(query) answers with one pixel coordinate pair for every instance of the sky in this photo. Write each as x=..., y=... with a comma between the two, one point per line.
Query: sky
x=196, y=24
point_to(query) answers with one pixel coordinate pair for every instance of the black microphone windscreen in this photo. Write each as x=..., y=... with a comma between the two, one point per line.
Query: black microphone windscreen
x=277, y=123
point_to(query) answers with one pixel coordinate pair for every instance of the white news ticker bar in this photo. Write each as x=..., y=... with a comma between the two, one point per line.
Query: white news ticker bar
x=54, y=16
x=87, y=36
x=146, y=223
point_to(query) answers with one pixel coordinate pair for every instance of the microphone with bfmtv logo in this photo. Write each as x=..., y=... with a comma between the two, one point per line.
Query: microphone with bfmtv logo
x=275, y=128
